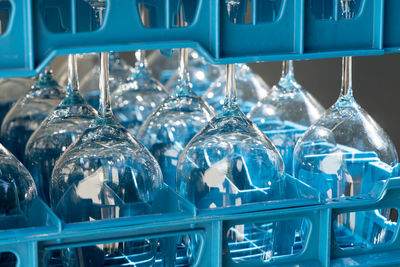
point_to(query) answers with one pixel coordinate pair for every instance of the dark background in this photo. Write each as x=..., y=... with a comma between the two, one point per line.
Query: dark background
x=375, y=85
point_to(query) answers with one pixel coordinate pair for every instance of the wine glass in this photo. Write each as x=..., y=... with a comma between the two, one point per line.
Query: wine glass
x=286, y=103
x=10, y=91
x=250, y=88
x=136, y=99
x=324, y=154
x=171, y=126
x=59, y=130
x=338, y=156
x=202, y=74
x=17, y=196
x=29, y=111
x=105, y=174
x=230, y=162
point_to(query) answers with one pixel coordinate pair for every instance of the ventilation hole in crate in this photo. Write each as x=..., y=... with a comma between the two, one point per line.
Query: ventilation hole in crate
x=58, y=15
x=8, y=259
x=153, y=13
x=326, y=9
x=179, y=250
x=365, y=229
x=5, y=12
x=264, y=241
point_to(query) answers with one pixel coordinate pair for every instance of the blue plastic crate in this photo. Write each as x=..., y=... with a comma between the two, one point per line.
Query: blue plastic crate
x=312, y=245
x=265, y=31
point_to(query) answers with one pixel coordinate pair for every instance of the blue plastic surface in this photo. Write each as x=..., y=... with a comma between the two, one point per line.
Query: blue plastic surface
x=293, y=32
x=272, y=30
x=178, y=217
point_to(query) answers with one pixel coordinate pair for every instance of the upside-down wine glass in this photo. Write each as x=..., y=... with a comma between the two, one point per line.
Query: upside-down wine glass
x=230, y=162
x=339, y=153
x=136, y=99
x=250, y=88
x=171, y=126
x=29, y=111
x=18, y=196
x=10, y=91
x=59, y=130
x=105, y=174
x=287, y=108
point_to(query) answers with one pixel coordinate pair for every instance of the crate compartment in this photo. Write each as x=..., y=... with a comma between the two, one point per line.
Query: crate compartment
x=391, y=31
x=16, y=40
x=293, y=193
x=275, y=24
x=364, y=168
x=363, y=251
x=325, y=28
x=123, y=29
x=300, y=230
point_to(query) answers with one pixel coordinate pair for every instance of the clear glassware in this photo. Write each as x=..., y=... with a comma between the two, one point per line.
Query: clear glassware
x=324, y=155
x=10, y=91
x=286, y=103
x=136, y=99
x=29, y=111
x=250, y=88
x=230, y=162
x=202, y=74
x=59, y=130
x=171, y=126
x=343, y=154
x=106, y=174
x=120, y=71
x=17, y=190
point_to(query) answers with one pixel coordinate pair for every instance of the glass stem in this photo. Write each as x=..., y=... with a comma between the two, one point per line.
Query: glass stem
x=287, y=68
x=141, y=61
x=230, y=90
x=73, y=82
x=346, y=89
x=105, y=99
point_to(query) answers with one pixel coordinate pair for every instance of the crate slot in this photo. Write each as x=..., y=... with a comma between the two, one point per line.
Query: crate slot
x=164, y=14
x=171, y=249
x=278, y=22
x=69, y=16
x=5, y=12
x=262, y=241
x=365, y=229
x=326, y=29
x=8, y=259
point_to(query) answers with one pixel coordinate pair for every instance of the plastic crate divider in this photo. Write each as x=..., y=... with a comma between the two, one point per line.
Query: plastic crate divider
x=389, y=199
x=26, y=253
x=391, y=40
x=16, y=44
x=317, y=246
x=331, y=33
x=38, y=221
x=280, y=35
